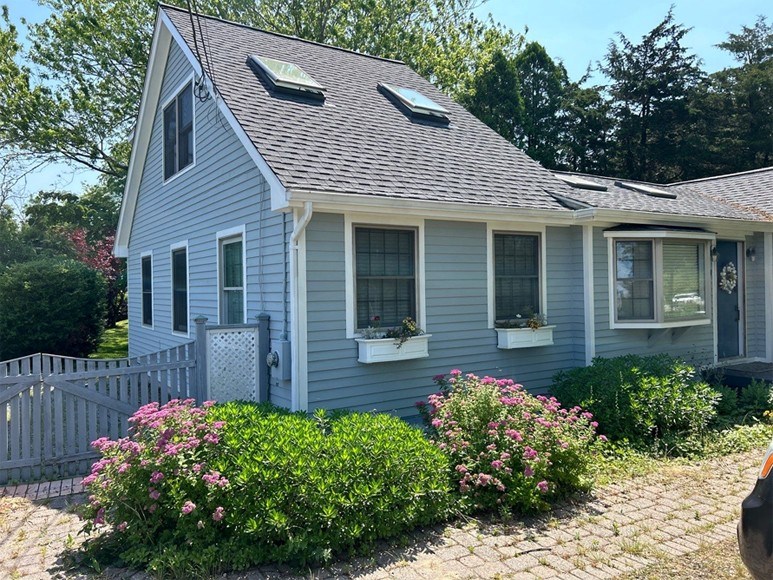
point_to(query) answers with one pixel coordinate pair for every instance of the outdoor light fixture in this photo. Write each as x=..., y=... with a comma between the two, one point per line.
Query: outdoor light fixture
x=713, y=252
x=751, y=253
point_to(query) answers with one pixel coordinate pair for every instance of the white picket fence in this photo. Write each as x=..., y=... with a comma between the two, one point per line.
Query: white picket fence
x=52, y=407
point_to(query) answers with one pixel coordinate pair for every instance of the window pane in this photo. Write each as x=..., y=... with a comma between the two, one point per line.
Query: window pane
x=147, y=291
x=386, y=282
x=180, y=291
x=684, y=280
x=634, y=288
x=185, y=120
x=516, y=275
x=233, y=306
x=232, y=265
x=170, y=141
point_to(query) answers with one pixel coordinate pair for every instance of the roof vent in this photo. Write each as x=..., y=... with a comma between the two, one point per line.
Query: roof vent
x=580, y=183
x=416, y=104
x=286, y=76
x=646, y=189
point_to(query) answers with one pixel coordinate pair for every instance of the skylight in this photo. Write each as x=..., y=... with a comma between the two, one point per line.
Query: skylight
x=646, y=189
x=580, y=183
x=286, y=75
x=415, y=102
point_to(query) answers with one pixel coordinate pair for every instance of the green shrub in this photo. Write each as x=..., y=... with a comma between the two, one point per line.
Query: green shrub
x=243, y=484
x=727, y=404
x=508, y=449
x=754, y=399
x=50, y=305
x=640, y=398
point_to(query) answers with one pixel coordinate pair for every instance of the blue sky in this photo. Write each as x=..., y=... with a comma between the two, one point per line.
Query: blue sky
x=576, y=32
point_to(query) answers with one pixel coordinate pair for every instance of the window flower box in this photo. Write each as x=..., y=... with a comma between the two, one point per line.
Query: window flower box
x=376, y=350
x=508, y=338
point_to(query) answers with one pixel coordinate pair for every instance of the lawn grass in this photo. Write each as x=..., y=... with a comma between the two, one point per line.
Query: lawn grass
x=619, y=461
x=115, y=342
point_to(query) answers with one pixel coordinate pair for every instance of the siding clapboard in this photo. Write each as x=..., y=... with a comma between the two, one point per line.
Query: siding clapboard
x=755, y=297
x=456, y=299
x=223, y=190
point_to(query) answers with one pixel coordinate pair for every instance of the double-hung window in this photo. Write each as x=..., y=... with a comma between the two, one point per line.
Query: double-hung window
x=659, y=281
x=516, y=276
x=147, y=290
x=232, y=280
x=385, y=276
x=178, y=132
x=180, y=290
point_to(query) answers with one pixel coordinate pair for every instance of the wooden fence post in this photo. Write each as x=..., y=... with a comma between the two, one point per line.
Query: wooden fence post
x=263, y=350
x=201, y=359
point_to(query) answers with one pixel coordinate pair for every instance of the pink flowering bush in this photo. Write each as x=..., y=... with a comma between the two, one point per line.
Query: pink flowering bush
x=157, y=487
x=509, y=450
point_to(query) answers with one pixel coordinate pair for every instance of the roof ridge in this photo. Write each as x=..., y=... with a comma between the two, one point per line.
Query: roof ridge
x=281, y=35
x=724, y=176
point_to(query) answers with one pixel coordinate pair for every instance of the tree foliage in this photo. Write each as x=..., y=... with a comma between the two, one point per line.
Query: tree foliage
x=50, y=305
x=650, y=85
x=543, y=84
x=495, y=98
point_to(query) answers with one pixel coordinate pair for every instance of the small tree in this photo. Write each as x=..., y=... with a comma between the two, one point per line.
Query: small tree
x=50, y=305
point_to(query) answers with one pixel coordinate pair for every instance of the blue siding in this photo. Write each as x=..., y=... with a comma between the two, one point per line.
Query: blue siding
x=755, y=297
x=223, y=190
x=693, y=343
x=456, y=301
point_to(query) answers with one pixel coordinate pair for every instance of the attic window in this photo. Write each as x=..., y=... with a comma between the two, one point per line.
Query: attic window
x=287, y=76
x=580, y=183
x=646, y=189
x=415, y=103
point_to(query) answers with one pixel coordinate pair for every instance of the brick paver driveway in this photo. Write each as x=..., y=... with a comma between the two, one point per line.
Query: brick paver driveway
x=622, y=528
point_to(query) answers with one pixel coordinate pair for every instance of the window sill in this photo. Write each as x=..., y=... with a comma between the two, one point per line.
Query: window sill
x=376, y=350
x=656, y=325
x=509, y=338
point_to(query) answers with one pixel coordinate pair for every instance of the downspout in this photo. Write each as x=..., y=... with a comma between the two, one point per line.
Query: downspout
x=295, y=343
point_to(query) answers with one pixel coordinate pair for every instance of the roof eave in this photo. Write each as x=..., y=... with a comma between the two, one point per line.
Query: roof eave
x=334, y=202
x=150, y=91
x=602, y=215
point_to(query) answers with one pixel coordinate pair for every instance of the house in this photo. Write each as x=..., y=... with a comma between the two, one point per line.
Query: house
x=337, y=191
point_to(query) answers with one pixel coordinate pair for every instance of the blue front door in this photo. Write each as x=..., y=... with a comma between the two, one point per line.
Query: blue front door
x=728, y=300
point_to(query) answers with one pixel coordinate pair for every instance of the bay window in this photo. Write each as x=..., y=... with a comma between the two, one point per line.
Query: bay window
x=659, y=279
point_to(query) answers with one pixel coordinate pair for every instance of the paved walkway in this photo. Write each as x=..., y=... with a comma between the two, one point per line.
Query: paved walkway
x=621, y=529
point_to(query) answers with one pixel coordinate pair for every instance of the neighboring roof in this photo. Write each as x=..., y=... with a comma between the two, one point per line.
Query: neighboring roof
x=689, y=201
x=748, y=189
x=358, y=142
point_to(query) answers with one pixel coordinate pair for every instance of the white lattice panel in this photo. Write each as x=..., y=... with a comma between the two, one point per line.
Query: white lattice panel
x=232, y=363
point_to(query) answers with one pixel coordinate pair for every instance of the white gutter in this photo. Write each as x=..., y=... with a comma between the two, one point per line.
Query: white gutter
x=297, y=341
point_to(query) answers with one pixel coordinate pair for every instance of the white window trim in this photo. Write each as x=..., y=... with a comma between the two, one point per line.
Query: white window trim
x=183, y=245
x=225, y=236
x=515, y=228
x=657, y=265
x=151, y=326
x=352, y=220
x=192, y=80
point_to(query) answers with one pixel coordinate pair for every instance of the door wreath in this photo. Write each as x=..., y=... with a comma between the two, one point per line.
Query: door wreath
x=728, y=278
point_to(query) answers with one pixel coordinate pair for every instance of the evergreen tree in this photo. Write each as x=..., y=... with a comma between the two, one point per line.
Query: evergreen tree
x=585, y=144
x=650, y=85
x=542, y=85
x=495, y=96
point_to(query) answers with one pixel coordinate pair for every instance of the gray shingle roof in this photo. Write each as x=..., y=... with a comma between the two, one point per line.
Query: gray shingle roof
x=695, y=201
x=359, y=142
x=751, y=189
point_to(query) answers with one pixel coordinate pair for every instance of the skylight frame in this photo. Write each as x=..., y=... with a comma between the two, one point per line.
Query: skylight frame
x=304, y=82
x=646, y=189
x=581, y=183
x=397, y=93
